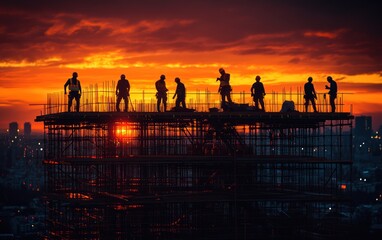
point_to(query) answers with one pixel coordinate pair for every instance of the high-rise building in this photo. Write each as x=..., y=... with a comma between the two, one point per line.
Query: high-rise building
x=13, y=130
x=27, y=129
x=362, y=133
x=363, y=125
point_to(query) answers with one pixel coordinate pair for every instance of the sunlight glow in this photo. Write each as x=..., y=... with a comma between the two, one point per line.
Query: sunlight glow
x=123, y=130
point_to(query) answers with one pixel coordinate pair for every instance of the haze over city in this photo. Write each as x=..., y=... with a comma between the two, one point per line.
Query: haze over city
x=284, y=42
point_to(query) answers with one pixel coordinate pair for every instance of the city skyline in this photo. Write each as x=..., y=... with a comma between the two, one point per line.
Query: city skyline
x=284, y=42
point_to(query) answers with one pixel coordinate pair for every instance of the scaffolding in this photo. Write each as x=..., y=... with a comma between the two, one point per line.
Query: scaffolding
x=197, y=175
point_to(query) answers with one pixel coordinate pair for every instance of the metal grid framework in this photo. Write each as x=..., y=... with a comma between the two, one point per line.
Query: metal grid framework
x=223, y=175
x=102, y=98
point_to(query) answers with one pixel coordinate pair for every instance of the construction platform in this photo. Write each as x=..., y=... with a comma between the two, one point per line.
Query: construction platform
x=287, y=118
x=197, y=175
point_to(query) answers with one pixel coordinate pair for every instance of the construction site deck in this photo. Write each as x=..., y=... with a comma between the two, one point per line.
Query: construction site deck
x=205, y=172
x=206, y=175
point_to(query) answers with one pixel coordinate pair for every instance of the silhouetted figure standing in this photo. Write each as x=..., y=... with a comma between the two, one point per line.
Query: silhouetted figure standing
x=123, y=92
x=161, y=92
x=75, y=91
x=332, y=92
x=310, y=94
x=258, y=93
x=180, y=93
x=224, y=87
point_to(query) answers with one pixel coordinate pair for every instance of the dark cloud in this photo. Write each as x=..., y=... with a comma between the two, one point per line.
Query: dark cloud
x=348, y=32
x=295, y=60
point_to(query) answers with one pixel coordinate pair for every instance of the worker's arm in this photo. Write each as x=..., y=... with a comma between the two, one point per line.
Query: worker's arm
x=65, y=85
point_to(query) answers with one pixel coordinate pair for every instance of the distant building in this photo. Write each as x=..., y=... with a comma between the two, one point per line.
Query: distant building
x=376, y=142
x=363, y=125
x=362, y=134
x=13, y=130
x=27, y=129
x=3, y=153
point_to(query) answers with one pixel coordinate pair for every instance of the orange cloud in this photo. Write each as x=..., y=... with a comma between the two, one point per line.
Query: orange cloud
x=321, y=34
x=26, y=63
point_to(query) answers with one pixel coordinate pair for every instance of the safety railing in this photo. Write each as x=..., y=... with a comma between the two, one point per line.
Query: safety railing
x=98, y=100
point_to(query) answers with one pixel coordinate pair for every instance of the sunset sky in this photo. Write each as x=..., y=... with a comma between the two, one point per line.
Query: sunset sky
x=43, y=42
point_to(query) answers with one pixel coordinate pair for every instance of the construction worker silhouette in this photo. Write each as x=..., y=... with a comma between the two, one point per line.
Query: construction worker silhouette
x=180, y=93
x=332, y=92
x=75, y=91
x=310, y=94
x=161, y=94
x=123, y=92
x=258, y=93
x=224, y=87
